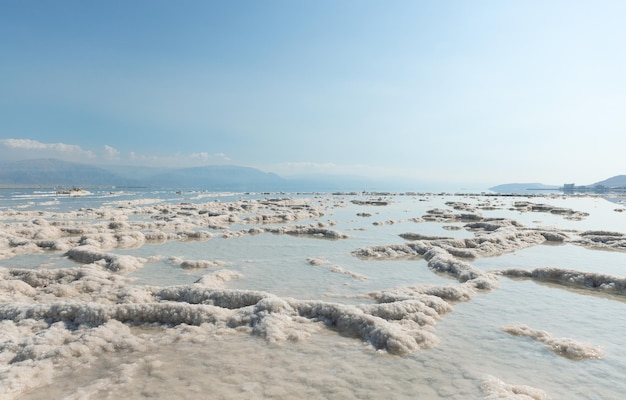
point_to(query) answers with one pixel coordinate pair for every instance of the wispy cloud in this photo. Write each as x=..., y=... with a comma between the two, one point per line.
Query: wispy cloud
x=34, y=149
x=16, y=149
x=111, y=153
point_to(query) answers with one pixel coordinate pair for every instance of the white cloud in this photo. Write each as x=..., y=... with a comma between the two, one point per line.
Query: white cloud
x=20, y=149
x=33, y=149
x=111, y=153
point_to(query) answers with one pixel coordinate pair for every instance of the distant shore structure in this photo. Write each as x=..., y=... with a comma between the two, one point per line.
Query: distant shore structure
x=598, y=189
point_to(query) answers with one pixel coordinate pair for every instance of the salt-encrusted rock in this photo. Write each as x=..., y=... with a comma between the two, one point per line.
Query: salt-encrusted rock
x=565, y=347
x=495, y=389
x=572, y=278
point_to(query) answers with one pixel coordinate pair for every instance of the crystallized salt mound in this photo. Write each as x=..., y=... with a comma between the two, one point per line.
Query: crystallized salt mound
x=311, y=231
x=108, y=228
x=602, y=240
x=495, y=389
x=564, y=347
x=218, y=278
x=439, y=215
x=317, y=261
x=30, y=349
x=85, y=283
x=441, y=261
x=392, y=251
x=88, y=297
x=449, y=293
x=493, y=237
x=583, y=280
x=567, y=213
x=198, y=264
x=338, y=270
x=113, y=262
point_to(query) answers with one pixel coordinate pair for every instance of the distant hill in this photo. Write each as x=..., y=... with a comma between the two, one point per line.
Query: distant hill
x=51, y=172
x=219, y=177
x=522, y=187
x=616, y=181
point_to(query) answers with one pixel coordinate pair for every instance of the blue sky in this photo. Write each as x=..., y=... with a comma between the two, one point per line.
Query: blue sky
x=477, y=92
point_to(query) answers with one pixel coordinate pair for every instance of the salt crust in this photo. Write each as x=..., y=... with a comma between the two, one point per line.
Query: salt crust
x=198, y=264
x=399, y=327
x=72, y=315
x=336, y=268
x=354, y=275
x=567, y=213
x=570, y=278
x=495, y=389
x=565, y=347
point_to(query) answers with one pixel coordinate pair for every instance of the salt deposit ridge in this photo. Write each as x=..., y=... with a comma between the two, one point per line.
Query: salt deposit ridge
x=346, y=295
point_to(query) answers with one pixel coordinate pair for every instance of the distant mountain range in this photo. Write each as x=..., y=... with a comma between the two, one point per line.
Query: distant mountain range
x=616, y=181
x=52, y=172
x=57, y=173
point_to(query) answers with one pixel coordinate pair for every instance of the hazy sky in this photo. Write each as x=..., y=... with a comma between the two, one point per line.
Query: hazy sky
x=459, y=91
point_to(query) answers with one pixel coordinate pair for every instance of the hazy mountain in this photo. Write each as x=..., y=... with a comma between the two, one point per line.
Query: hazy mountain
x=52, y=172
x=219, y=177
x=522, y=187
x=616, y=181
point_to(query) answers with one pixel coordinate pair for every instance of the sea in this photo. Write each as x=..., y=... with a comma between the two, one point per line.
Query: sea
x=169, y=294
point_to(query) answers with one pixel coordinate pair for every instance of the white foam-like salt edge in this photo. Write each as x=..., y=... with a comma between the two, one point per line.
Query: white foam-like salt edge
x=354, y=275
x=315, y=261
x=399, y=327
x=493, y=237
x=570, y=278
x=602, y=240
x=198, y=264
x=567, y=213
x=495, y=389
x=565, y=347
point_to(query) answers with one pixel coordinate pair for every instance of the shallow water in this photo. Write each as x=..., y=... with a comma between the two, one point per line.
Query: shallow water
x=304, y=355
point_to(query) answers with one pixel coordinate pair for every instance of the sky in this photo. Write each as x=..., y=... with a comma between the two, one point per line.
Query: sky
x=477, y=92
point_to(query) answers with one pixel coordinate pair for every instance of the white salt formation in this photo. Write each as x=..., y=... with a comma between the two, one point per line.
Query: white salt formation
x=198, y=264
x=71, y=316
x=338, y=270
x=565, y=347
x=567, y=213
x=495, y=389
x=571, y=278
x=602, y=240
x=53, y=296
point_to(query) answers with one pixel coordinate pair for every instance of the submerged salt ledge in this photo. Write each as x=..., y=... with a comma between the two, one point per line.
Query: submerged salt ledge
x=564, y=347
x=570, y=278
x=399, y=327
x=495, y=389
x=64, y=308
x=73, y=315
